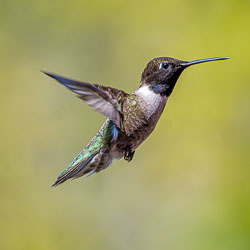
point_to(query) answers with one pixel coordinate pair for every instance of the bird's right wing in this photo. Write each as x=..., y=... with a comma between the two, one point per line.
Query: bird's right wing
x=106, y=100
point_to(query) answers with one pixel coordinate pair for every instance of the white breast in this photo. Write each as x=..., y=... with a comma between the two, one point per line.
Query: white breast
x=152, y=104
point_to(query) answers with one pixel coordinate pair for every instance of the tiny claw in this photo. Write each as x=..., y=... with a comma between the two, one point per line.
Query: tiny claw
x=129, y=154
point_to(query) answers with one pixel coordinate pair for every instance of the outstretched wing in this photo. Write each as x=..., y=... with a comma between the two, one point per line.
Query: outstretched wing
x=105, y=100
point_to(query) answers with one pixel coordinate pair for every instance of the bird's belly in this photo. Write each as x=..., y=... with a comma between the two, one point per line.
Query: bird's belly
x=140, y=133
x=146, y=129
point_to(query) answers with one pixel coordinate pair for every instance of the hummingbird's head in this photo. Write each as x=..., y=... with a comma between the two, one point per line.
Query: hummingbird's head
x=161, y=73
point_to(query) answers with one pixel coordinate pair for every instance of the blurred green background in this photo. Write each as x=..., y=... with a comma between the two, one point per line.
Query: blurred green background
x=188, y=185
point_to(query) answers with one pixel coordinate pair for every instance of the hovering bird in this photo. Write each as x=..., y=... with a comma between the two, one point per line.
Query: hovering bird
x=131, y=117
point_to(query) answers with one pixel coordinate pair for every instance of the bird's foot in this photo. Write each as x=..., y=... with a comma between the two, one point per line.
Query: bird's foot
x=128, y=156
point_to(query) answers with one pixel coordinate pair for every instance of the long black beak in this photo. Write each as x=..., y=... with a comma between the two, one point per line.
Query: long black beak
x=189, y=63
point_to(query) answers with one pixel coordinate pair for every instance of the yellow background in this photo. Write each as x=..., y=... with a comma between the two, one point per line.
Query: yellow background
x=188, y=186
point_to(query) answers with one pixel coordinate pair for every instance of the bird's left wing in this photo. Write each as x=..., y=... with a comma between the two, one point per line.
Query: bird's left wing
x=106, y=100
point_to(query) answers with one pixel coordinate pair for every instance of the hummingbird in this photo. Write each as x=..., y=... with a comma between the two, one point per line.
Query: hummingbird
x=131, y=118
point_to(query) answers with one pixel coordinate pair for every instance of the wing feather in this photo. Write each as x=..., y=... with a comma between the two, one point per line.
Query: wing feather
x=106, y=100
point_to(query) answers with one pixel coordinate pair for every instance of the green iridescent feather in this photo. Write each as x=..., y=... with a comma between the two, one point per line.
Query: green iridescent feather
x=102, y=138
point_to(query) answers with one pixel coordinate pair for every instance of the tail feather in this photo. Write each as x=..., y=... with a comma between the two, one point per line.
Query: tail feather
x=73, y=171
x=93, y=164
x=95, y=157
x=98, y=163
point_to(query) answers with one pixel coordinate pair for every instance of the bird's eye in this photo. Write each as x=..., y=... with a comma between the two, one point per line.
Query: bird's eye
x=164, y=65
